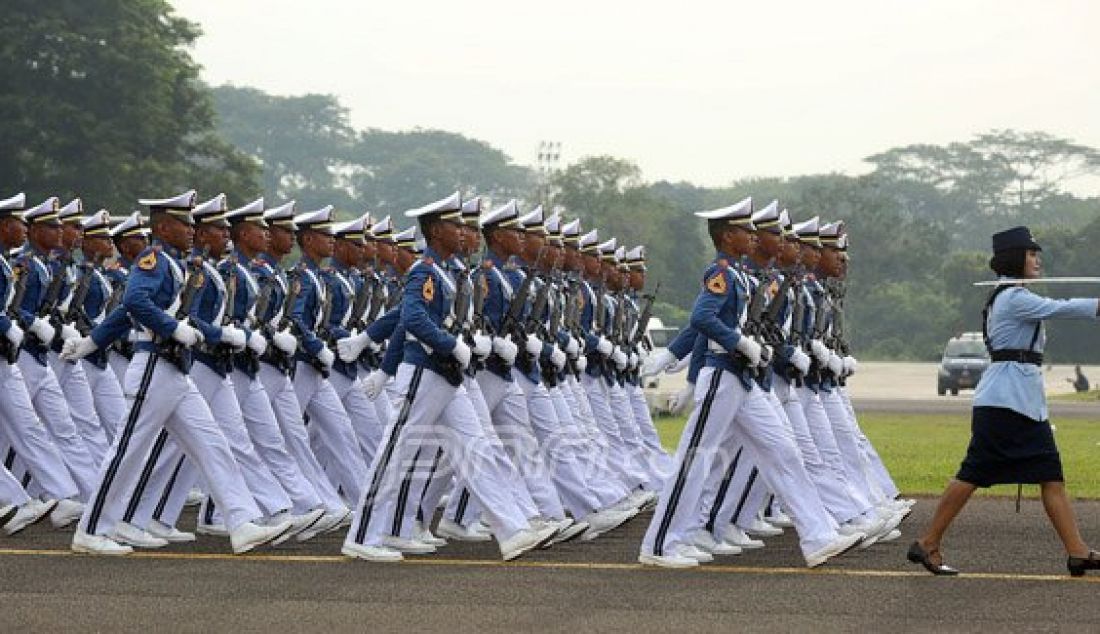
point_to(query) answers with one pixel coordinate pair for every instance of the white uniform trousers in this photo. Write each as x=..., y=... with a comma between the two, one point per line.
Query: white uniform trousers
x=597, y=468
x=724, y=413
x=118, y=365
x=558, y=449
x=110, y=405
x=879, y=472
x=53, y=411
x=507, y=407
x=612, y=443
x=835, y=492
x=435, y=410
x=288, y=414
x=661, y=460
x=11, y=491
x=461, y=507
x=22, y=436
x=850, y=452
x=267, y=438
x=362, y=413
x=598, y=491
x=330, y=428
x=822, y=431
x=634, y=450
x=164, y=398
x=78, y=394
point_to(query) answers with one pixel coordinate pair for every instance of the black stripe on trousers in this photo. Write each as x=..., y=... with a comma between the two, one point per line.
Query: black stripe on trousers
x=745, y=495
x=428, y=483
x=123, y=443
x=403, y=495
x=157, y=512
x=463, y=501
x=387, y=454
x=720, y=499
x=9, y=460
x=146, y=472
x=685, y=466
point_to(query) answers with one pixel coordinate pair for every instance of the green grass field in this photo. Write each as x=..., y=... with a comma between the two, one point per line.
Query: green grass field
x=923, y=452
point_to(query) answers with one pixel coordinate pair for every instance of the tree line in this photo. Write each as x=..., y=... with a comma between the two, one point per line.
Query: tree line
x=105, y=102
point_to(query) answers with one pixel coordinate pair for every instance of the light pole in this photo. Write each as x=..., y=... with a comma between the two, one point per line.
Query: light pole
x=548, y=157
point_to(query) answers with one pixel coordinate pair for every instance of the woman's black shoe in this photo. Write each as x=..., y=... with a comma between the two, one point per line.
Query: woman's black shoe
x=1078, y=565
x=918, y=555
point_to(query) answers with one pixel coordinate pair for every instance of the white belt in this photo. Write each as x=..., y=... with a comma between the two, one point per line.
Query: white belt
x=714, y=346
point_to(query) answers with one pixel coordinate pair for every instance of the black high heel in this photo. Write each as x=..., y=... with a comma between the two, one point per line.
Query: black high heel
x=918, y=555
x=1078, y=565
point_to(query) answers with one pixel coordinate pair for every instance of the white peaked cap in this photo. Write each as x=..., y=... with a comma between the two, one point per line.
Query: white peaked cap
x=739, y=213
x=99, y=223
x=589, y=241
x=186, y=200
x=383, y=228
x=406, y=237
x=318, y=220
x=46, y=211
x=72, y=211
x=351, y=229
x=17, y=202
x=251, y=212
x=506, y=215
x=768, y=218
x=282, y=215
x=133, y=224
x=446, y=208
x=533, y=218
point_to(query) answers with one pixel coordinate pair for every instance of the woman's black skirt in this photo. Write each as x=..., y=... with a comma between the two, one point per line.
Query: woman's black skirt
x=1007, y=447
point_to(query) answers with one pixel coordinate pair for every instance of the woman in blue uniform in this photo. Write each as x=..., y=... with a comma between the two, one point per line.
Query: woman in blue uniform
x=1011, y=438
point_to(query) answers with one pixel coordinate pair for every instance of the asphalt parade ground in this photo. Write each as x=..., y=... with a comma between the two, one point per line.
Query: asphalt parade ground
x=1014, y=578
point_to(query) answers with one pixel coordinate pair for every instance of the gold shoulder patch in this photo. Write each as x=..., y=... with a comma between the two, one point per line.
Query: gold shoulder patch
x=429, y=289
x=485, y=285
x=717, y=283
x=149, y=262
x=773, y=289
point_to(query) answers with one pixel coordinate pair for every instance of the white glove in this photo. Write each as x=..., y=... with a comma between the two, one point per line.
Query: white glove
x=801, y=361
x=572, y=348
x=619, y=357
x=326, y=357
x=604, y=346
x=73, y=349
x=462, y=353
x=632, y=361
x=349, y=348
x=14, y=334
x=233, y=337
x=257, y=342
x=679, y=402
x=766, y=353
x=505, y=349
x=749, y=348
x=285, y=341
x=658, y=363
x=42, y=329
x=850, y=365
x=582, y=363
x=557, y=357
x=533, y=345
x=68, y=331
x=679, y=365
x=483, y=345
x=820, y=352
x=836, y=366
x=186, y=334
x=374, y=383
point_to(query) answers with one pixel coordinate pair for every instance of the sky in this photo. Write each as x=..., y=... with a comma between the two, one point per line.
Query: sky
x=707, y=92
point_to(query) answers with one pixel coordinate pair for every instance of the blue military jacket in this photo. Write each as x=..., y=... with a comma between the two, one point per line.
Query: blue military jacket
x=40, y=271
x=1013, y=319
x=718, y=312
x=427, y=302
x=306, y=313
x=343, y=283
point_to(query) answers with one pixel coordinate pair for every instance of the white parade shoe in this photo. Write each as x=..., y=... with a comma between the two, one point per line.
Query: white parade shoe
x=298, y=523
x=838, y=546
x=422, y=534
x=696, y=553
x=169, y=533
x=215, y=530
x=734, y=535
x=457, y=532
x=781, y=520
x=329, y=521
x=568, y=530
x=30, y=513
x=525, y=540
x=370, y=553
x=760, y=528
x=407, y=546
x=130, y=535
x=673, y=559
x=66, y=512
x=249, y=535
x=98, y=545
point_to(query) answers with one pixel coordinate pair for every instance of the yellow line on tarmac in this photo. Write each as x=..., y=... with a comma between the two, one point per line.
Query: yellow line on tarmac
x=562, y=565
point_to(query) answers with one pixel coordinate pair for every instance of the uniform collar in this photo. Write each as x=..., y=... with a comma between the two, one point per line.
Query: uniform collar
x=167, y=249
x=497, y=261
x=429, y=253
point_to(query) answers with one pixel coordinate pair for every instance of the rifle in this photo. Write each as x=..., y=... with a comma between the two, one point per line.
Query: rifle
x=455, y=325
x=533, y=325
x=48, y=308
x=19, y=278
x=171, y=349
x=324, y=332
x=549, y=372
x=644, y=317
x=274, y=355
x=74, y=312
x=255, y=317
x=224, y=351
x=773, y=330
x=510, y=325
x=359, y=305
